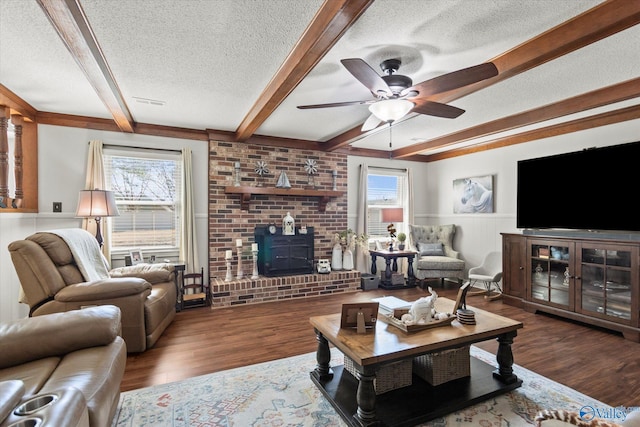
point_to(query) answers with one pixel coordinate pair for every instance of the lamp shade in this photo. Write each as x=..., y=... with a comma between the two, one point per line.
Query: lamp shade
x=392, y=215
x=96, y=204
x=390, y=110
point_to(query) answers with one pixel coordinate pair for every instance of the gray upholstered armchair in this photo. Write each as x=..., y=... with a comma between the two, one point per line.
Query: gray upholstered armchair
x=436, y=257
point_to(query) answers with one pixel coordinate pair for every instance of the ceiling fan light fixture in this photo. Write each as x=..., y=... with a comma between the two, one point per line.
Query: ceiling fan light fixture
x=390, y=110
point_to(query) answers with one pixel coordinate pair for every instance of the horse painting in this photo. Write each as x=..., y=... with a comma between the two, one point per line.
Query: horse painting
x=474, y=196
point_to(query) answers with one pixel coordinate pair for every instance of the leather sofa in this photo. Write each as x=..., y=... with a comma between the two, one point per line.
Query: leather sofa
x=52, y=282
x=436, y=257
x=76, y=356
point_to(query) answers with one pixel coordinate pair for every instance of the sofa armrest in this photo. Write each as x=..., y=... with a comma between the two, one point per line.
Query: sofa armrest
x=152, y=273
x=57, y=334
x=451, y=253
x=11, y=393
x=103, y=289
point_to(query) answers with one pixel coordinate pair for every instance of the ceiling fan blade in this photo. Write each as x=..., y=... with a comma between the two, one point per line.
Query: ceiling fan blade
x=456, y=79
x=367, y=76
x=335, y=104
x=436, y=109
x=371, y=123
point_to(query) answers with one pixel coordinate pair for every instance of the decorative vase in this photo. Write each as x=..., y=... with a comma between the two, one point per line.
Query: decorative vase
x=347, y=259
x=336, y=257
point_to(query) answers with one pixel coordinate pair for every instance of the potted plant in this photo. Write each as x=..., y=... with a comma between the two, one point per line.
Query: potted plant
x=401, y=238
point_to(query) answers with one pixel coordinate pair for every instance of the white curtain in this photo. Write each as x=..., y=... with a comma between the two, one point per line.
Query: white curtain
x=362, y=257
x=95, y=180
x=409, y=214
x=188, y=241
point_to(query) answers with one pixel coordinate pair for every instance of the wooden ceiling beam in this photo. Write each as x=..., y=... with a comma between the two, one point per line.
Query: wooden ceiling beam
x=265, y=141
x=84, y=122
x=596, y=98
x=71, y=24
x=597, y=120
x=595, y=24
x=332, y=20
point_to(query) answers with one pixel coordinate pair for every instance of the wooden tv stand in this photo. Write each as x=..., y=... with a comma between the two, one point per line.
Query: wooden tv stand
x=592, y=278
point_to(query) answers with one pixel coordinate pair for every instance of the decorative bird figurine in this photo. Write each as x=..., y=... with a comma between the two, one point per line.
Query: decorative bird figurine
x=392, y=230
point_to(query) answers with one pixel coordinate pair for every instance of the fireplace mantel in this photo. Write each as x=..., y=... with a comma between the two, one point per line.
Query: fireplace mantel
x=246, y=192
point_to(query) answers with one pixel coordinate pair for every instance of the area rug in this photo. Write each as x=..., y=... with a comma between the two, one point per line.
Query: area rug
x=280, y=393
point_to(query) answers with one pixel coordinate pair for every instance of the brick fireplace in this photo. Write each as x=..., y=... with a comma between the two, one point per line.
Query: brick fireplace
x=282, y=255
x=229, y=222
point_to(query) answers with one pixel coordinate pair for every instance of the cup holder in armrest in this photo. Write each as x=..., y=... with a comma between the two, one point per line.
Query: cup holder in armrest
x=35, y=404
x=27, y=422
x=65, y=407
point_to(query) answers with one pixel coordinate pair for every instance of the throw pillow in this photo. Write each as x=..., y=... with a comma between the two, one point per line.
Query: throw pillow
x=430, y=249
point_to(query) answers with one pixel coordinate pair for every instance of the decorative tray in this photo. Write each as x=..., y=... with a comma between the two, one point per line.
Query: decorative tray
x=397, y=314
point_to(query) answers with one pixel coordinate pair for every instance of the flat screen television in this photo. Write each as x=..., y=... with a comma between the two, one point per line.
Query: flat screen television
x=593, y=189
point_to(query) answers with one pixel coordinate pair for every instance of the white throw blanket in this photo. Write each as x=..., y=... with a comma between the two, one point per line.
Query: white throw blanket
x=86, y=252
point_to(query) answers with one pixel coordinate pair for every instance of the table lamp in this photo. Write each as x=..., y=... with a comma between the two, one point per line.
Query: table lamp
x=392, y=215
x=96, y=204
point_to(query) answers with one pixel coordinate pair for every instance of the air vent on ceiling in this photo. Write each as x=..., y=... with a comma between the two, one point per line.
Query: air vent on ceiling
x=149, y=101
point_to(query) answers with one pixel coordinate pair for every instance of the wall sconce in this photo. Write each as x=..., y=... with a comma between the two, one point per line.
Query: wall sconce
x=96, y=204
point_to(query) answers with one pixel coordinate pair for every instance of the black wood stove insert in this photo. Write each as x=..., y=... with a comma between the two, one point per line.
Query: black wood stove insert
x=280, y=255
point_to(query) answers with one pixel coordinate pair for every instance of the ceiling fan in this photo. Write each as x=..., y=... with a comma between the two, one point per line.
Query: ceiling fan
x=396, y=95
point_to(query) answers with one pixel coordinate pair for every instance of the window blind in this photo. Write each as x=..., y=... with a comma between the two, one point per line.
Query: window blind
x=385, y=189
x=147, y=186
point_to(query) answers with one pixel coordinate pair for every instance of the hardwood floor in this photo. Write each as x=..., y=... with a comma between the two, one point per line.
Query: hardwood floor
x=596, y=362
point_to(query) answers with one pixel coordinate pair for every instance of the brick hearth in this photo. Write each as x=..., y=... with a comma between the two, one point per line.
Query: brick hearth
x=264, y=289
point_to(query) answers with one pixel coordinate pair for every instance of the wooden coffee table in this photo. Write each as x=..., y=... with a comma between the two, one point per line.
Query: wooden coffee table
x=356, y=400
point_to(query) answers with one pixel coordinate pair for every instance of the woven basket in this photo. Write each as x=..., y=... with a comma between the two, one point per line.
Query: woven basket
x=448, y=365
x=389, y=377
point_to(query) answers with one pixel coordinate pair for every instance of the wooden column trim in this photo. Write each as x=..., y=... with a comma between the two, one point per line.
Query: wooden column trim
x=4, y=156
x=18, y=170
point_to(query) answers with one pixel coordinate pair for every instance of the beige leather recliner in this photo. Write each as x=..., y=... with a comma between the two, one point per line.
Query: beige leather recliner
x=52, y=282
x=76, y=356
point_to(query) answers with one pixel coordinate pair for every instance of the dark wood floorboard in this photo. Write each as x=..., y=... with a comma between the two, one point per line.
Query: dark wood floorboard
x=596, y=362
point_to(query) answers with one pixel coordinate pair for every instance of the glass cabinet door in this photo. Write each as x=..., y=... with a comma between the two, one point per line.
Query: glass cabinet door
x=550, y=274
x=606, y=282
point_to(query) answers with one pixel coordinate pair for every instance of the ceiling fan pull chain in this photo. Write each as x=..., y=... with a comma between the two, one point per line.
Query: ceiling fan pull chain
x=390, y=140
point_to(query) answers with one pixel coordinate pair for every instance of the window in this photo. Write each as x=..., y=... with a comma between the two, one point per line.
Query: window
x=147, y=186
x=386, y=188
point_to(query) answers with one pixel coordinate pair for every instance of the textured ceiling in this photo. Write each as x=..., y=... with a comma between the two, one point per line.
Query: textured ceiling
x=203, y=64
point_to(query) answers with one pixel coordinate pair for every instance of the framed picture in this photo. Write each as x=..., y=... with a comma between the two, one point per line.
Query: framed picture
x=461, y=298
x=136, y=256
x=361, y=316
x=473, y=195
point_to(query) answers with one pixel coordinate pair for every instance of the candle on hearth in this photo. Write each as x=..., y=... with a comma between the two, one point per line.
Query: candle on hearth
x=237, y=164
x=239, y=243
x=254, y=247
x=228, y=254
